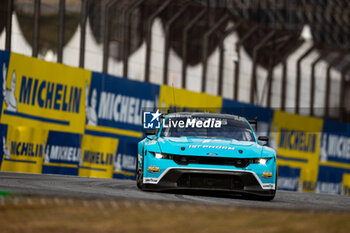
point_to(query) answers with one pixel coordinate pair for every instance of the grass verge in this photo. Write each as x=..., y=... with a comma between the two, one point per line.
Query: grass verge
x=52, y=214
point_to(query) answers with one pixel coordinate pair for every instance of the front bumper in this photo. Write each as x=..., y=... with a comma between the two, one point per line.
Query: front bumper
x=168, y=174
x=209, y=179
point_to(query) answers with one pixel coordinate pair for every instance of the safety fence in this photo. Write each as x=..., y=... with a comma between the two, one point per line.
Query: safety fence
x=57, y=119
x=291, y=55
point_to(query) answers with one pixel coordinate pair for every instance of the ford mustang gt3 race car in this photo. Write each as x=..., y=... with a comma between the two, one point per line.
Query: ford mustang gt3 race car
x=206, y=151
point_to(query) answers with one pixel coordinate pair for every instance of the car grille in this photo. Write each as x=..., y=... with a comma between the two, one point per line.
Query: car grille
x=237, y=162
x=215, y=181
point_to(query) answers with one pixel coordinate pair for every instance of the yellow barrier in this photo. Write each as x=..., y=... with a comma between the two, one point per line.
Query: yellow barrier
x=45, y=95
x=297, y=139
x=24, y=149
x=187, y=100
x=98, y=156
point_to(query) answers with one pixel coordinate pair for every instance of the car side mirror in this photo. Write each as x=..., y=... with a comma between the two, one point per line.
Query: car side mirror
x=264, y=139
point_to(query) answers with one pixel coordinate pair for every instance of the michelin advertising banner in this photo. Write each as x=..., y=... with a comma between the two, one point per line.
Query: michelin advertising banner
x=114, y=125
x=297, y=140
x=39, y=99
x=334, y=167
x=57, y=119
x=44, y=95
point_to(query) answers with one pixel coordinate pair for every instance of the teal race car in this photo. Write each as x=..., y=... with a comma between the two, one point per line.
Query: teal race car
x=208, y=152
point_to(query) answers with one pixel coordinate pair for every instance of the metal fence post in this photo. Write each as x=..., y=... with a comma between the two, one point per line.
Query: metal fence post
x=255, y=54
x=237, y=64
x=109, y=4
x=205, y=49
x=334, y=62
x=167, y=44
x=184, y=44
x=35, y=50
x=149, y=37
x=284, y=84
x=313, y=81
x=9, y=25
x=62, y=9
x=126, y=35
x=83, y=18
x=297, y=88
x=270, y=76
x=344, y=71
x=221, y=56
x=269, y=82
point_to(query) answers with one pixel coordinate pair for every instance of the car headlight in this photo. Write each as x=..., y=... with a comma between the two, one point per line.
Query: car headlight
x=162, y=156
x=158, y=155
x=263, y=161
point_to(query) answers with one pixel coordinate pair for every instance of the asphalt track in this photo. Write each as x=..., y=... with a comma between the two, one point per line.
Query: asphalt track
x=72, y=186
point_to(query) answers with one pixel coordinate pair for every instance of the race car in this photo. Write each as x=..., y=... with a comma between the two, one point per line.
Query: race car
x=207, y=152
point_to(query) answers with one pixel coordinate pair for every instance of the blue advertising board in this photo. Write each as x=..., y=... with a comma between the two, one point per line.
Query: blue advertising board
x=117, y=103
x=334, y=157
x=4, y=64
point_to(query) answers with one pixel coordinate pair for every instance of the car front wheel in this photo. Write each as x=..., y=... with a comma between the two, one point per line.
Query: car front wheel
x=139, y=177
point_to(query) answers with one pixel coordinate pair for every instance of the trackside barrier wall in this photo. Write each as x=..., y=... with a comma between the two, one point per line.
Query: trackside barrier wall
x=57, y=119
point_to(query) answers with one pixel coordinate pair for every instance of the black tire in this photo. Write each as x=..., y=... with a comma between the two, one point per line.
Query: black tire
x=139, y=176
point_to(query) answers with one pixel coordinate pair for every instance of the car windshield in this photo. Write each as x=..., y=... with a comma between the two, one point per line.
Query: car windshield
x=208, y=127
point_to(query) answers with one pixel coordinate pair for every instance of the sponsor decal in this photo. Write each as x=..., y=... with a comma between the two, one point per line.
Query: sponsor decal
x=192, y=123
x=153, y=169
x=211, y=147
x=150, y=180
x=268, y=186
x=151, y=120
x=267, y=174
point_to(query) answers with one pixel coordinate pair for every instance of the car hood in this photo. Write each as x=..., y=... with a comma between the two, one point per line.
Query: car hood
x=209, y=147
